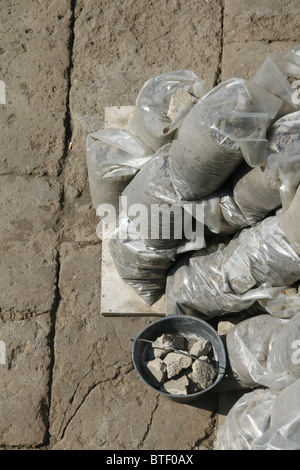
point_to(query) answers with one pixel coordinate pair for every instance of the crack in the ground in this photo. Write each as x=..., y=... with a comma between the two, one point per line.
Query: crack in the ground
x=208, y=433
x=67, y=120
x=119, y=374
x=51, y=339
x=67, y=139
x=217, y=79
x=139, y=447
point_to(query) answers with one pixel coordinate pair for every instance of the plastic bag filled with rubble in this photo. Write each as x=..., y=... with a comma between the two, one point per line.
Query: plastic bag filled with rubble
x=285, y=305
x=113, y=158
x=284, y=428
x=143, y=268
x=251, y=356
x=278, y=74
x=284, y=154
x=289, y=173
x=263, y=420
x=247, y=421
x=290, y=221
x=259, y=191
x=257, y=264
x=228, y=123
x=221, y=213
x=288, y=164
x=152, y=196
x=284, y=355
x=162, y=103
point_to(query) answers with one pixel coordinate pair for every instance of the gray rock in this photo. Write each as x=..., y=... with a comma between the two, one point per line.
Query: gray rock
x=29, y=209
x=176, y=386
x=35, y=48
x=24, y=384
x=204, y=374
x=176, y=363
x=201, y=347
x=157, y=371
x=167, y=340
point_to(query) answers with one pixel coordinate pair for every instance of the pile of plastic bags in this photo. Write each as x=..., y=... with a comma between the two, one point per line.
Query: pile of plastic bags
x=234, y=153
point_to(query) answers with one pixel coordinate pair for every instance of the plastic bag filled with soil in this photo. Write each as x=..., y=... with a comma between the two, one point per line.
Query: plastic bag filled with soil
x=113, y=158
x=143, y=268
x=247, y=421
x=256, y=192
x=152, y=196
x=248, y=348
x=257, y=264
x=227, y=124
x=277, y=74
x=167, y=218
x=152, y=122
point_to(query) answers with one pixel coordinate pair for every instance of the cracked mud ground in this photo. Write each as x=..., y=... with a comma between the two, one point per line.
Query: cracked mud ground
x=68, y=381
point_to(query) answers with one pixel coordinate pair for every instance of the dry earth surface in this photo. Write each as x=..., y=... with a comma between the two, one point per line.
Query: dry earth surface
x=68, y=380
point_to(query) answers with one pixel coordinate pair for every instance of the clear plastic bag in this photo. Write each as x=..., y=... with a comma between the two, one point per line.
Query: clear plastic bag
x=263, y=419
x=290, y=221
x=284, y=429
x=248, y=347
x=152, y=196
x=150, y=122
x=152, y=188
x=284, y=154
x=221, y=215
x=143, y=268
x=284, y=356
x=285, y=305
x=113, y=158
x=257, y=264
x=227, y=124
x=259, y=191
x=277, y=74
x=247, y=421
x=256, y=192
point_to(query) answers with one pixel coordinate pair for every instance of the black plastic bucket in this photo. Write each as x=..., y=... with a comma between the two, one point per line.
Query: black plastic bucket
x=189, y=327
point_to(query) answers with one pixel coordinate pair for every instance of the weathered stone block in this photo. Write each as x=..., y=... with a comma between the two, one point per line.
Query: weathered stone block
x=243, y=59
x=29, y=209
x=93, y=354
x=261, y=20
x=121, y=44
x=24, y=382
x=34, y=61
